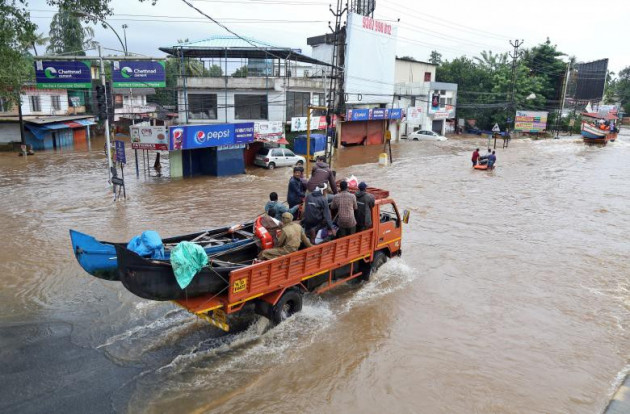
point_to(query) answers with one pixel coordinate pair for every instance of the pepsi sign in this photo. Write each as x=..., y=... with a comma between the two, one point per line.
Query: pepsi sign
x=184, y=137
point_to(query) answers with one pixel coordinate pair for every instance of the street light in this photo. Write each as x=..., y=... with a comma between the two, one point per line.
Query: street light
x=91, y=16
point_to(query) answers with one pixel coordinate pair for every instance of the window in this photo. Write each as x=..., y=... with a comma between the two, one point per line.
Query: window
x=442, y=102
x=35, y=103
x=413, y=101
x=442, y=92
x=389, y=214
x=202, y=106
x=288, y=153
x=118, y=101
x=297, y=104
x=427, y=76
x=250, y=106
x=449, y=101
x=276, y=153
x=55, y=101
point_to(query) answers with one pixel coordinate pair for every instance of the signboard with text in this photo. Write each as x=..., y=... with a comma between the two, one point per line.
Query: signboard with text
x=149, y=137
x=183, y=137
x=269, y=131
x=120, y=152
x=138, y=74
x=63, y=74
x=373, y=114
x=298, y=123
x=530, y=121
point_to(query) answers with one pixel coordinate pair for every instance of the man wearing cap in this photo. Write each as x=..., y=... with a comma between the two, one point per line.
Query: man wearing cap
x=365, y=203
x=316, y=212
x=345, y=203
x=289, y=240
x=322, y=174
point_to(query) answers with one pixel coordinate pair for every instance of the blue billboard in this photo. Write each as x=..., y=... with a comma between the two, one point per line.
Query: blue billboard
x=138, y=74
x=63, y=75
x=184, y=137
x=373, y=114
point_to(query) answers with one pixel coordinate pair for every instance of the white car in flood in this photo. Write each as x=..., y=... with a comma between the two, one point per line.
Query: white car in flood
x=426, y=136
x=278, y=157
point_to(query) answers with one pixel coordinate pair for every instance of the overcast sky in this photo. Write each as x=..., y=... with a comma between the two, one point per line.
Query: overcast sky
x=454, y=28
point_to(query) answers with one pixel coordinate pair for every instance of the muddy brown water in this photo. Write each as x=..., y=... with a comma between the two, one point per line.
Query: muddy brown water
x=512, y=295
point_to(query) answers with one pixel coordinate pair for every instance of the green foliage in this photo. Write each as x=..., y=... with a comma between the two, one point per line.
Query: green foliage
x=215, y=71
x=240, y=72
x=622, y=88
x=68, y=36
x=544, y=63
x=491, y=61
x=435, y=58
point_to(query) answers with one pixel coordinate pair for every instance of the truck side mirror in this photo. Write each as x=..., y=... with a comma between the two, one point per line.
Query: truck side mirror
x=406, y=214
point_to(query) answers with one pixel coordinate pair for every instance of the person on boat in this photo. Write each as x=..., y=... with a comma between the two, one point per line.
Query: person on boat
x=365, y=204
x=484, y=158
x=271, y=224
x=316, y=212
x=297, y=188
x=475, y=157
x=289, y=240
x=346, y=204
x=321, y=174
x=277, y=206
x=492, y=159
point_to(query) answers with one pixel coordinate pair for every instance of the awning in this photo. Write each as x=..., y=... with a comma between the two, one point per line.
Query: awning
x=74, y=124
x=40, y=131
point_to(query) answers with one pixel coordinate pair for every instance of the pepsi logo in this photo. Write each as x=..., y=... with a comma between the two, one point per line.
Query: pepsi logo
x=200, y=137
x=177, y=134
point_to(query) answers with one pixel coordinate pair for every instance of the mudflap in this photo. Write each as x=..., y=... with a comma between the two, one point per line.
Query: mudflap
x=218, y=318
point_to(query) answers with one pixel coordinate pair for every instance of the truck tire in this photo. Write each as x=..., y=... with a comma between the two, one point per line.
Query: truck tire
x=289, y=304
x=379, y=260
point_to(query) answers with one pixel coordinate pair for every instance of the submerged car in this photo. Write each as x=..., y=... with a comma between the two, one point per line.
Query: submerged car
x=277, y=157
x=426, y=136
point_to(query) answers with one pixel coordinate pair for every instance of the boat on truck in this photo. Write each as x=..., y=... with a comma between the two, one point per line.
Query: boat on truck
x=274, y=287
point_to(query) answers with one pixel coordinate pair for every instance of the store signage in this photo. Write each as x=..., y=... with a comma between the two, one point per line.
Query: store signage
x=373, y=114
x=184, y=137
x=298, y=123
x=138, y=74
x=63, y=75
x=269, y=131
x=149, y=137
x=120, y=152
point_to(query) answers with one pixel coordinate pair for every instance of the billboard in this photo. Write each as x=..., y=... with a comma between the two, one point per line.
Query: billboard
x=298, y=123
x=269, y=131
x=183, y=137
x=63, y=75
x=149, y=137
x=370, y=60
x=530, y=121
x=375, y=114
x=591, y=78
x=138, y=74
x=415, y=115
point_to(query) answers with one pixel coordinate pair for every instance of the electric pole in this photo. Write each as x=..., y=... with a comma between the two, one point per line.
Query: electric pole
x=516, y=45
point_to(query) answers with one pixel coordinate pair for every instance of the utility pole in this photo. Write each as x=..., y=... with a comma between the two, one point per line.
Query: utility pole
x=564, y=91
x=21, y=118
x=514, y=57
x=106, y=123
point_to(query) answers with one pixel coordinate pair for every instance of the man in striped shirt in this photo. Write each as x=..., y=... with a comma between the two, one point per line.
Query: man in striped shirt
x=345, y=203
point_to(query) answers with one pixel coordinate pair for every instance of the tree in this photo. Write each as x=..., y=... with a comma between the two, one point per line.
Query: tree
x=622, y=88
x=240, y=72
x=435, y=58
x=68, y=35
x=215, y=71
x=543, y=62
x=491, y=61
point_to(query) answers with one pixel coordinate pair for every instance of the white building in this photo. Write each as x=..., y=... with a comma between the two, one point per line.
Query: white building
x=131, y=103
x=429, y=105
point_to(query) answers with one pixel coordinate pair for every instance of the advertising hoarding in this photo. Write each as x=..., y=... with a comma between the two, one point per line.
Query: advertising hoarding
x=530, y=121
x=370, y=60
x=269, y=131
x=63, y=74
x=415, y=115
x=138, y=74
x=298, y=123
x=149, y=137
x=183, y=137
x=373, y=114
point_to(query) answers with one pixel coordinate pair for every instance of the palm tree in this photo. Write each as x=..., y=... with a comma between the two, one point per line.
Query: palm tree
x=491, y=60
x=40, y=39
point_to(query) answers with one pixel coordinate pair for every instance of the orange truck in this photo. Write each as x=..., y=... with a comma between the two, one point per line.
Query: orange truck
x=275, y=287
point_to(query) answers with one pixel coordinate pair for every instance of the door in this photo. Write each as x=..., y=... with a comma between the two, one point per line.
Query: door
x=388, y=226
x=289, y=157
x=277, y=157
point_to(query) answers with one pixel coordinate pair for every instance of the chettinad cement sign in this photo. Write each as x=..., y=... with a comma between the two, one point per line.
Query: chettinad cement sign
x=63, y=75
x=138, y=74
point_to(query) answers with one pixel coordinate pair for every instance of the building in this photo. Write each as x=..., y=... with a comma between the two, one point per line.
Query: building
x=53, y=118
x=236, y=82
x=131, y=104
x=429, y=105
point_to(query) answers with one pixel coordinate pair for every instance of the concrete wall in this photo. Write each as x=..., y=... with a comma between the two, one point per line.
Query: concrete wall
x=406, y=71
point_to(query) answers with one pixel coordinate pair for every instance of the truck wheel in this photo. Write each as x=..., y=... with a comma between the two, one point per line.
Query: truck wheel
x=289, y=303
x=379, y=260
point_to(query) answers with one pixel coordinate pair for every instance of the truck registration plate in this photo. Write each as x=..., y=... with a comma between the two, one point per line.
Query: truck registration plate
x=239, y=285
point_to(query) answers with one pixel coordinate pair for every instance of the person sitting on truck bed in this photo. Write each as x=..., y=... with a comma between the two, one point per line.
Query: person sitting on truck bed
x=271, y=224
x=278, y=207
x=321, y=174
x=365, y=204
x=316, y=213
x=345, y=203
x=289, y=240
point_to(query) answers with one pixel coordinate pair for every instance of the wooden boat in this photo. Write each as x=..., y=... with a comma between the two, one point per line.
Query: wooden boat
x=154, y=279
x=592, y=134
x=98, y=258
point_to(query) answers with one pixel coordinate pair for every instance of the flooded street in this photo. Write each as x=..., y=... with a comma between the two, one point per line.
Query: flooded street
x=512, y=294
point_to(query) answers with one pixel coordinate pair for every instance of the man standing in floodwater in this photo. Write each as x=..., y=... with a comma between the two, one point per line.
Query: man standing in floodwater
x=492, y=159
x=475, y=157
